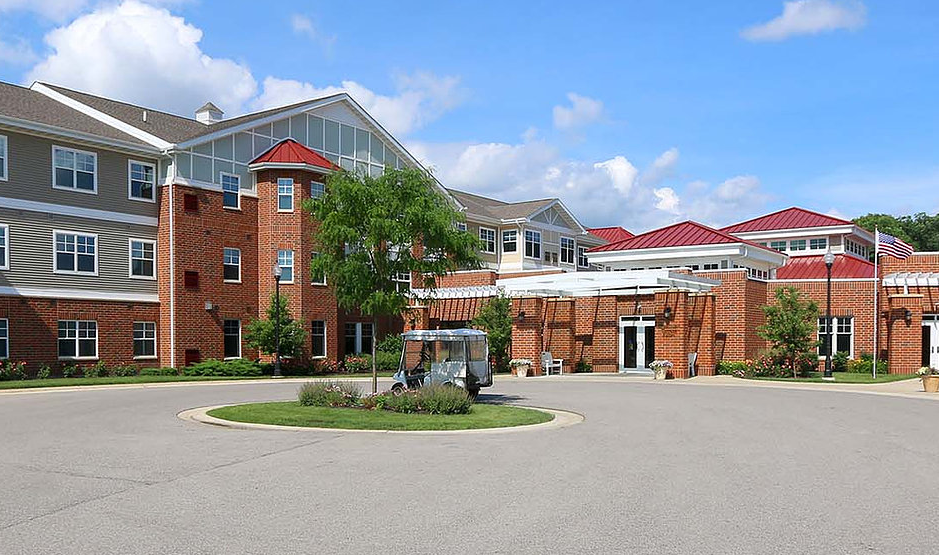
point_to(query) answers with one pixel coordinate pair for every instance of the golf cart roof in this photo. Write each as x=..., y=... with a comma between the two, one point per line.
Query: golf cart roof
x=415, y=335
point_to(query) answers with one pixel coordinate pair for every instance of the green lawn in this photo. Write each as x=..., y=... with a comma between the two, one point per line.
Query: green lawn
x=844, y=377
x=291, y=413
x=68, y=382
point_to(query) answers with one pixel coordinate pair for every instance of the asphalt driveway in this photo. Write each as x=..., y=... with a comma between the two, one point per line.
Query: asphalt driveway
x=655, y=468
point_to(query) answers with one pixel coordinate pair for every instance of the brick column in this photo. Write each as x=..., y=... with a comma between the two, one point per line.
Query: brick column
x=671, y=334
x=904, y=336
x=527, y=330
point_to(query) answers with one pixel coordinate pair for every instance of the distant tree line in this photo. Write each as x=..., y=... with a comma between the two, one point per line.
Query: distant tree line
x=920, y=230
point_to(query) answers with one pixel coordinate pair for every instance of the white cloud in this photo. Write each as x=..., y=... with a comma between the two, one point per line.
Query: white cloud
x=16, y=52
x=621, y=172
x=304, y=26
x=163, y=66
x=668, y=200
x=730, y=201
x=420, y=99
x=662, y=167
x=582, y=111
x=808, y=17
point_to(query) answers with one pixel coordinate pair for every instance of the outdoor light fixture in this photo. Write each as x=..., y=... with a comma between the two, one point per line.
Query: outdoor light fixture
x=278, y=271
x=521, y=316
x=209, y=306
x=668, y=313
x=908, y=315
x=829, y=261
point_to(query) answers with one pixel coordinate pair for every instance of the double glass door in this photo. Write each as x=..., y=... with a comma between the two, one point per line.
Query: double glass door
x=931, y=340
x=637, y=343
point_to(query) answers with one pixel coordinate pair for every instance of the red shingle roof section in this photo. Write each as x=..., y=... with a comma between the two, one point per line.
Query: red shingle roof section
x=813, y=267
x=684, y=234
x=611, y=234
x=790, y=218
x=290, y=151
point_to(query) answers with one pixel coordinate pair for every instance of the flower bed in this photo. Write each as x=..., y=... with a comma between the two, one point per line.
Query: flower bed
x=434, y=399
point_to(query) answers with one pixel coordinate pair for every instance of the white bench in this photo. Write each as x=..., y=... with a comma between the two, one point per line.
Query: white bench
x=549, y=364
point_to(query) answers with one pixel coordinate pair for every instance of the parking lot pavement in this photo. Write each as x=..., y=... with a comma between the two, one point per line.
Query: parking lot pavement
x=654, y=468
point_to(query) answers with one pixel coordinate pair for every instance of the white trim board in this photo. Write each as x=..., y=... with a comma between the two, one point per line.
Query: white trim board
x=78, y=212
x=79, y=294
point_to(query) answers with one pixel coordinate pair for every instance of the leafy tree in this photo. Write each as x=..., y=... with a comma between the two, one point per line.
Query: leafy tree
x=883, y=222
x=372, y=230
x=495, y=318
x=920, y=230
x=791, y=327
x=261, y=335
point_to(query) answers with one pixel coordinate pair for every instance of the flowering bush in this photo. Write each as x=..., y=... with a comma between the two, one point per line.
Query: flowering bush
x=516, y=362
x=768, y=365
x=329, y=394
x=355, y=364
x=927, y=371
x=433, y=399
x=10, y=370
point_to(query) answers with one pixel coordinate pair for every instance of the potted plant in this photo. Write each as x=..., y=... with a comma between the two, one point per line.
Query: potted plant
x=930, y=377
x=661, y=368
x=521, y=366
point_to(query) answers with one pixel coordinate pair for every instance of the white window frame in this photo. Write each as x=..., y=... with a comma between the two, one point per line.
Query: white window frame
x=313, y=281
x=145, y=338
x=6, y=337
x=783, y=244
x=836, y=322
x=486, y=242
x=538, y=242
x=315, y=182
x=514, y=233
x=94, y=157
x=5, y=259
x=224, y=335
x=77, y=338
x=325, y=343
x=798, y=245
x=816, y=240
x=461, y=226
x=130, y=258
x=402, y=278
x=582, y=260
x=75, y=272
x=225, y=263
x=282, y=266
x=5, y=156
x=130, y=180
x=221, y=178
x=283, y=182
x=358, y=337
x=573, y=251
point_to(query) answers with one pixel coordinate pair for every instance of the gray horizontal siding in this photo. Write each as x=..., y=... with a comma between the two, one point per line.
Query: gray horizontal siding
x=31, y=253
x=30, y=176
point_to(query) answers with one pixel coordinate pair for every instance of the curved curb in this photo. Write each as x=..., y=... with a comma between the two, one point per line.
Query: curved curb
x=562, y=419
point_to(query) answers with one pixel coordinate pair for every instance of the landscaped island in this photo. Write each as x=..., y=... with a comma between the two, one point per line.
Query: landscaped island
x=341, y=405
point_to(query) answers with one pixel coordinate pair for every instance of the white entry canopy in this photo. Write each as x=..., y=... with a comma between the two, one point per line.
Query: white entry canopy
x=912, y=279
x=592, y=284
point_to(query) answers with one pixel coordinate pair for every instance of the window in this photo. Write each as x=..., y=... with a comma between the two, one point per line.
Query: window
x=74, y=169
x=231, y=329
x=141, y=181
x=4, y=338
x=488, y=238
x=317, y=189
x=190, y=202
x=78, y=339
x=358, y=338
x=710, y=266
x=509, y=241
x=191, y=279
x=582, y=260
x=231, y=191
x=3, y=158
x=144, y=339
x=318, y=278
x=142, y=258
x=818, y=244
x=842, y=335
x=461, y=226
x=778, y=245
x=4, y=247
x=402, y=282
x=855, y=248
x=567, y=250
x=285, y=195
x=318, y=336
x=797, y=245
x=285, y=261
x=75, y=253
x=532, y=244
x=231, y=264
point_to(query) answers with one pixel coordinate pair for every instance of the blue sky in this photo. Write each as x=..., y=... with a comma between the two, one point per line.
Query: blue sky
x=634, y=113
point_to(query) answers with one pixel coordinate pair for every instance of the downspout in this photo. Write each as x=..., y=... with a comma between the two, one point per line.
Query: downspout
x=172, y=283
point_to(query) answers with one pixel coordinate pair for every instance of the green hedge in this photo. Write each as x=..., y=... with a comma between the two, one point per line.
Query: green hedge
x=212, y=367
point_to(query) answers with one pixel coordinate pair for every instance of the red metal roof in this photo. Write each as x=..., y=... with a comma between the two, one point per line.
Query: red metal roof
x=289, y=151
x=611, y=234
x=790, y=218
x=683, y=234
x=813, y=267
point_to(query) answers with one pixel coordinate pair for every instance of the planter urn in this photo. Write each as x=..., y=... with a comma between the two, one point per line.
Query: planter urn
x=931, y=384
x=521, y=371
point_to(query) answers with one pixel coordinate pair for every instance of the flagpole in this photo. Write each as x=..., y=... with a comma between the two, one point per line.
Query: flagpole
x=876, y=287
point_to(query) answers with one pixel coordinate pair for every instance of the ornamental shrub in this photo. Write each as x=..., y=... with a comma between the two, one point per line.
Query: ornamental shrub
x=405, y=402
x=69, y=371
x=125, y=371
x=443, y=399
x=212, y=367
x=392, y=343
x=97, y=370
x=582, y=367
x=10, y=370
x=839, y=362
x=732, y=368
x=864, y=364
x=156, y=371
x=329, y=394
x=44, y=372
x=387, y=362
x=357, y=364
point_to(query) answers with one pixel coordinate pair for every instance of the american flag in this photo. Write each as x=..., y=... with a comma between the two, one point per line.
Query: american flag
x=888, y=244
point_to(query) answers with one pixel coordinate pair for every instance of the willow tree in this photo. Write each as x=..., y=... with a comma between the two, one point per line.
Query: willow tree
x=373, y=232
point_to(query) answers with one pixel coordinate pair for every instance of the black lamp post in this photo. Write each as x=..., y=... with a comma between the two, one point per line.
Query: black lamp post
x=277, y=273
x=829, y=260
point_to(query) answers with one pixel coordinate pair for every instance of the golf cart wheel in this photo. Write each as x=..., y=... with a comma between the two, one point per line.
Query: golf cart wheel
x=397, y=389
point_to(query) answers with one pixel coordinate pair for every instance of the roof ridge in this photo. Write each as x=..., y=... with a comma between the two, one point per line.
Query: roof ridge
x=780, y=211
x=125, y=103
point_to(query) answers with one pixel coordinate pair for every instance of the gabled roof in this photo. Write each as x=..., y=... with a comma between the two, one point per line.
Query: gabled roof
x=682, y=234
x=20, y=103
x=813, y=267
x=611, y=234
x=290, y=153
x=790, y=218
x=497, y=209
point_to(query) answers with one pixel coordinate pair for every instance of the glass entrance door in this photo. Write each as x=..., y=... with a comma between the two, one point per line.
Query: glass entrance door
x=637, y=343
x=930, y=341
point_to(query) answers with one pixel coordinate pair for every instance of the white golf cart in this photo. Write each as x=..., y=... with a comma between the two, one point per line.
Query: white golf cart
x=455, y=357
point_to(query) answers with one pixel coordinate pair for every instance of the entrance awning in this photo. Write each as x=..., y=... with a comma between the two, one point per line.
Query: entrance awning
x=912, y=279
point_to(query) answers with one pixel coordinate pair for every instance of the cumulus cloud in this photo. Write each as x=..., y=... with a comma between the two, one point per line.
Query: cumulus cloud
x=661, y=168
x=729, y=201
x=582, y=111
x=809, y=17
x=668, y=200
